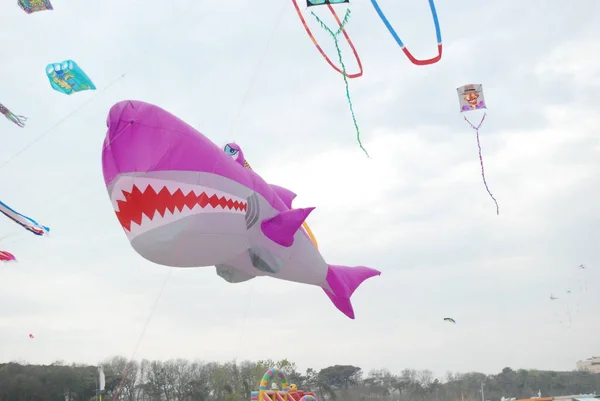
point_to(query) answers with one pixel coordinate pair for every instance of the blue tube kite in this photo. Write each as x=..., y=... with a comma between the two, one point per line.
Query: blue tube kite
x=408, y=54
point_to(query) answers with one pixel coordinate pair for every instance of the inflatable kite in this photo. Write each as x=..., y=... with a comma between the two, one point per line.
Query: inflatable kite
x=67, y=77
x=407, y=53
x=19, y=120
x=26, y=222
x=183, y=202
x=288, y=392
x=32, y=6
x=470, y=97
x=7, y=257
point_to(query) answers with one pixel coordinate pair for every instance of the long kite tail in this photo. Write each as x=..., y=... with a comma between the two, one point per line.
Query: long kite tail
x=476, y=128
x=17, y=119
x=340, y=24
x=335, y=36
x=408, y=54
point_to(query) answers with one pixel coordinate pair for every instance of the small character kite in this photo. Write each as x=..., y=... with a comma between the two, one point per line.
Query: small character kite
x=184, y=202
x=17, y=119
x=67, y=77
x=335, y=35
x=407, y=53
x=449, y=319
x=24, y=221
x=32, y=6
x=7, y=257
x=470, y=97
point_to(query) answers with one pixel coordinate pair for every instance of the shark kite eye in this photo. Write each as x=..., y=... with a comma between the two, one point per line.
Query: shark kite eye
x=230, y=151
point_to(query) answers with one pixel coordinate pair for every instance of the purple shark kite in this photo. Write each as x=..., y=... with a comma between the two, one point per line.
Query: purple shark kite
x=184, y=202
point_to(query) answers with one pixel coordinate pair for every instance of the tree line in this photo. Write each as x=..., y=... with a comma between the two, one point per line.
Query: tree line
x=184, y=380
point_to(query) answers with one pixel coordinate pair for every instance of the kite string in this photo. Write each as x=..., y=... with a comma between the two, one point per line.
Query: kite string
x=476, y=128
x=138, y=61
x=335, y=35
x=61, y=121
x=143, y=334
x=245, y=320
x=234, y=123
x=235, y=120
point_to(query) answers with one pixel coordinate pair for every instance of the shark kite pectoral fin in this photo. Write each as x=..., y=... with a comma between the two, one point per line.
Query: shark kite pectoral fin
x=232, y=275
x=343, y=281
x=282, y=227
x=264, y=260
x=284, y=194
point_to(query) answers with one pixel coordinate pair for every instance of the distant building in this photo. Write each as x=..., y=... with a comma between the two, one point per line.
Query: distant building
x=591, y=365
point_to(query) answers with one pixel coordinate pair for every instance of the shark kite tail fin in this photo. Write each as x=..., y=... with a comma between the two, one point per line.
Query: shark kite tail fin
x=343, y=281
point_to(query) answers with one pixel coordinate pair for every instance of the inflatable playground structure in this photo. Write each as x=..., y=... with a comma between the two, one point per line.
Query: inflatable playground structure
x=286, y=393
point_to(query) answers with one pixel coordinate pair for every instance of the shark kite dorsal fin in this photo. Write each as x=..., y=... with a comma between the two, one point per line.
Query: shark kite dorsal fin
x=282, y=227
x=284, y=194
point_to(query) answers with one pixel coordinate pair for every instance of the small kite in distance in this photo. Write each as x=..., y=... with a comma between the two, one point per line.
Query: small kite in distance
x=310, y=3
x=7, y=257
x=582, y=266
x=449, y=319
x=68, y=78
x=31, y=336
x=17, y=119
x=552, y=297
x=32, y=6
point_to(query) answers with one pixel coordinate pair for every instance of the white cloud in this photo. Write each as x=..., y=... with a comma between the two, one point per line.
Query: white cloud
x=573, y=60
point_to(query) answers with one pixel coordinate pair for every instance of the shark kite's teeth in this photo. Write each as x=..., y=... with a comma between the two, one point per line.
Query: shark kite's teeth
x=141, y=206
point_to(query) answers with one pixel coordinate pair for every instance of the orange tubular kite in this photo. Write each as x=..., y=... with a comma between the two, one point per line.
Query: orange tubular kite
x=311, y=36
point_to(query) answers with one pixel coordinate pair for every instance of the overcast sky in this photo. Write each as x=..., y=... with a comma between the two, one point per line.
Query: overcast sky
x=417, y=211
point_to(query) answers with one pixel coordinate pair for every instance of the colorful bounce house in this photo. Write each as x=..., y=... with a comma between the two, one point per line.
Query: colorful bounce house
x=287, y=393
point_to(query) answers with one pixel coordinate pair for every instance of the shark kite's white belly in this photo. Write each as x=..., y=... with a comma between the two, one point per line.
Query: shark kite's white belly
x=172, y=221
